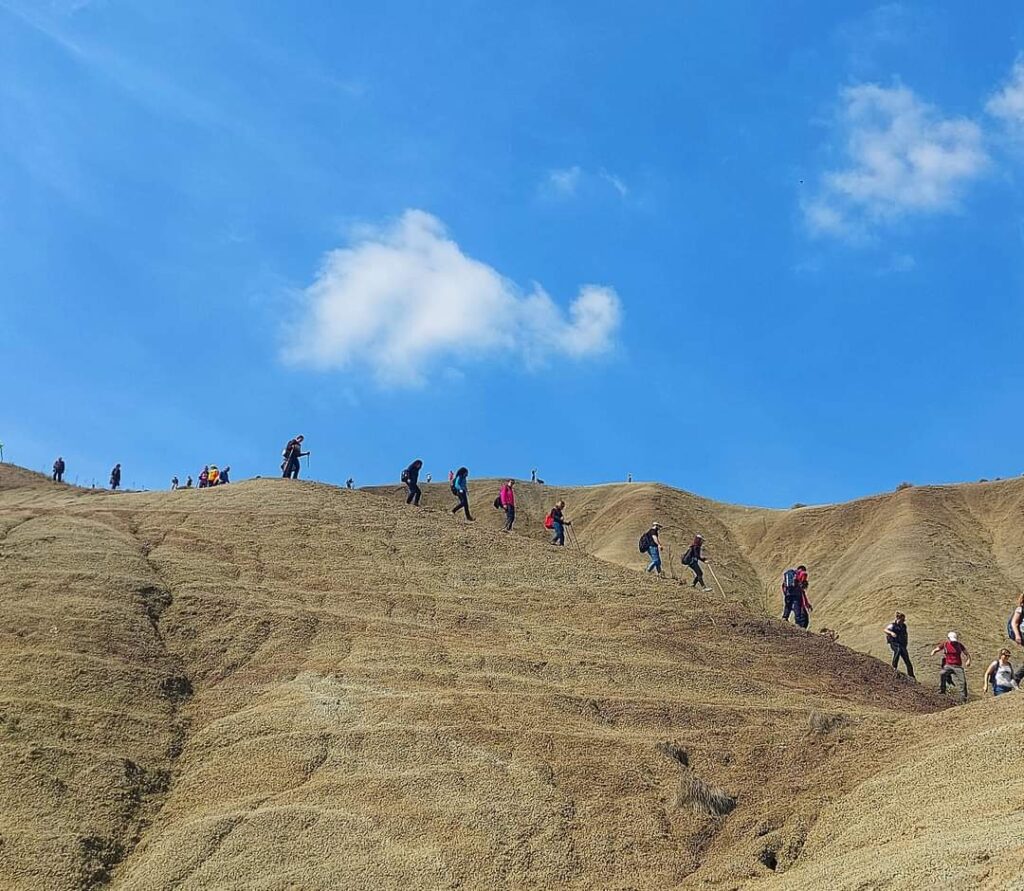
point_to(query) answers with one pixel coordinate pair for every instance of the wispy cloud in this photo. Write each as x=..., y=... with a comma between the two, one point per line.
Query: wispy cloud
x=1007, y=104
x=404, y=299
x=903, y=156
x=569, y=182
x=563, y=182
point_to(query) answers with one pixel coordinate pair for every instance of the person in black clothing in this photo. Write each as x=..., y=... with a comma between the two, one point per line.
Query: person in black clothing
x=461, y=491
x=411, y=478
x=115, y=476
x=897, y=636
x=58, y=470
x=693, y=559
x=292, y=453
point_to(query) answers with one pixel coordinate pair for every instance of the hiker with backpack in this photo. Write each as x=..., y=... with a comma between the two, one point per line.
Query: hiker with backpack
x=955, y=659
x=58, y=470
x=204, y=477
x=411, y=478
x=650, y=544
x=556, y=521
x=794, y=596
x=897, y=636
x=1015, y=624
x=1000, y=675
x=693, y=558
x=174, y=483
x=115, y=477
x=507, y=501
x=460, y=489
x=291, y=455
x=224, y=477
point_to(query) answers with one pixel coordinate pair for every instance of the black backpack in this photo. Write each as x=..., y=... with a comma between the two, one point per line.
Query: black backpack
x=405, y=475
x=789, y=581
x=645, y=543
x=497, y=502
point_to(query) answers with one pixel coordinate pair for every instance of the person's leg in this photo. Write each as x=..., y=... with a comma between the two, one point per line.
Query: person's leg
x=510, y=517
x=464, y=499
x=655, y=554
x=906, y=661
x=788, y=607
x=895, y=657
x=963, y=684
x=419, y=493
x=559, y=538
x=943, y=680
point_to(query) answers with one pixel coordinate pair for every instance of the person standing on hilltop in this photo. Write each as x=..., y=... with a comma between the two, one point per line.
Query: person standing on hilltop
x=955, y=659
x=225, y=477
x=693, y=559
x=1015, y=624
x=650, y=544
x=507, y=499
x=558, y=523
x=115, y=477
x=174, y=483
x=460, y=489
x=291, y=455
x=58, y=470
x=897, y=636
x=411, y=478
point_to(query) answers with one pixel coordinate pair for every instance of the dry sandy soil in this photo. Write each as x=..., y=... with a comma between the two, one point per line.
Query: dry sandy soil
x=285, y=685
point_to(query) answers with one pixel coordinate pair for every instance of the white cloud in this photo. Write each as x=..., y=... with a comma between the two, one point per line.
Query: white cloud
x=564, y=182
x=568, y=182
x=903, y=156
x=1008, y=103
x=404, y=298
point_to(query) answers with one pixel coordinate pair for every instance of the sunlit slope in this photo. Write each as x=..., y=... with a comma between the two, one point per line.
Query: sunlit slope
x=950, y=557
x=278, y=684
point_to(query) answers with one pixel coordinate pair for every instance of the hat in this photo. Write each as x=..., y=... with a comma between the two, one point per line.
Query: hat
x=655, y=525
x=952, y=636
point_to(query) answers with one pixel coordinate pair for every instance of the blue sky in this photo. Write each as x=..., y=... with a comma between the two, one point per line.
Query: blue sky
x=766, y=252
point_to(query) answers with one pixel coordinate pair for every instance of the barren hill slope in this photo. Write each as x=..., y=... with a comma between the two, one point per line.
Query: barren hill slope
x=950, y=557
x=289, y=685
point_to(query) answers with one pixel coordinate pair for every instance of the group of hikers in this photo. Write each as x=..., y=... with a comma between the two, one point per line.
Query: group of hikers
x=1001, y=675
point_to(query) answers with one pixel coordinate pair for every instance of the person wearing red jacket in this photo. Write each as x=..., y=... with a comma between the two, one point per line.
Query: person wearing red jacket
x=507, y=497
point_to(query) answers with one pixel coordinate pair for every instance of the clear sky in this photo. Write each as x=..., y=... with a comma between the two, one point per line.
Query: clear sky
x=767, y=252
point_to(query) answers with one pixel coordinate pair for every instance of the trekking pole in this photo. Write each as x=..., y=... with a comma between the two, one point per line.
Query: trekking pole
x=715, y=577
x=574, y=538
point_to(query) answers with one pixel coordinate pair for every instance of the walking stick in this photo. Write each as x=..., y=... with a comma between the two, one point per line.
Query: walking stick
x=574, y=539
x=715, y=577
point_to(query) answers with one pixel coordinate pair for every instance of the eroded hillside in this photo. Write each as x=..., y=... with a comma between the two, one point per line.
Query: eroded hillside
x=288, y=685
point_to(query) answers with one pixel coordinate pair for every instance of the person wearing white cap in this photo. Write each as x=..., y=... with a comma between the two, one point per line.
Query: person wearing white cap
x=650, y=544
x=955, y=659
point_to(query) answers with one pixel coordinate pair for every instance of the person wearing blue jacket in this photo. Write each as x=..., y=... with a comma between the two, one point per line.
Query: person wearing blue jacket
x=461, y=491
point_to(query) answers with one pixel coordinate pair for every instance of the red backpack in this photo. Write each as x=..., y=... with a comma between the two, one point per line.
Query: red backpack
x=549, y=522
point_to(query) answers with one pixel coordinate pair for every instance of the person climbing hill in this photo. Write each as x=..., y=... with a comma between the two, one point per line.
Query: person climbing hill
x=58, y=470
x=1000, y=675
x=693, y=558
x=291, y=455
x=557, y=522
x=794, y=594
x=411, y=478
x=1015, y=624
x=460, y=489
x=204, y=477
x=955, y=659
x=115, y=477
x=897, y=636
x=507, y=499
x=650, y=544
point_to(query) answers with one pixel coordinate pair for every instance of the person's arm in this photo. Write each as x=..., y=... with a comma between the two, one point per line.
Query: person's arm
x=889, y=632
x=1018, y=629
x=988, y=675
x=938, y=647
x=967, y=658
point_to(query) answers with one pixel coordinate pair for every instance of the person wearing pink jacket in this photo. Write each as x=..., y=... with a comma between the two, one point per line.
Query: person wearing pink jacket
x=507, y=497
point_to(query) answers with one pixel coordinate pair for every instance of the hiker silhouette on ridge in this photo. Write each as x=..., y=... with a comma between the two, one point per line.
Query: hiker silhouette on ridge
x=291, y=454
x=58, y=470
x=115, y=477
x=693, y=559
x=411, y=478
x=460, y=489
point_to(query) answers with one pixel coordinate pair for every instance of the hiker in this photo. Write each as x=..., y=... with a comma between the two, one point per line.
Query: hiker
x=224, y=478
x=291, y=454
x=533, y=475
x=174, y=483
x=58, y=470
x=955, y=659
x=115, y=477
x=897, y=636
x=1015, y=624
x=556, y=521
x=411, y=478
x=507, y=499
x=1000, y=674
x=629, y=477
x=204, y=477
x=429, y=478
x=794, y=594
x=650, y=544
x=350, y=483
x=461, y=491
x=693, y=559
x=188, y=483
